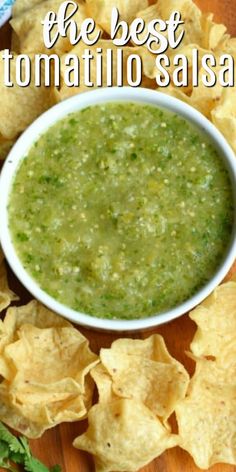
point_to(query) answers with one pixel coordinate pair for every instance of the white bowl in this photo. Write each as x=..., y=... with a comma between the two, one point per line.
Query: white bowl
x=73, y=104
x=5, y=10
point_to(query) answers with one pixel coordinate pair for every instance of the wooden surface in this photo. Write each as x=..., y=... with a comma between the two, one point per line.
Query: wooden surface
x=56, y=445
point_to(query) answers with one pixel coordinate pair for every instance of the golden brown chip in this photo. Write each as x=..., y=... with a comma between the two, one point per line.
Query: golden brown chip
x=104, y=384
x=207, y=416
x=33, y=313
x=20, y=105
x=191, y=15
x=152, y=348
x=148, y=62
x=27, y=25
x=6, y=295
x=224, y=116
x=36, y=314
x=205, y=98
x=177, y=92
x=144, y=371
x=150, y=13
x=216, y=320
x=15, y=43
x=212, y=33
x=21, y=6
x=201, y=97
x=101, y=10
x=45, y=364
x=123, y=436
x=227, y=45
x=192, y=27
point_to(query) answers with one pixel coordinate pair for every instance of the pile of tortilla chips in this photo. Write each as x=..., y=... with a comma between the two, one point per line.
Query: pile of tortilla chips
x=21, y=105
x=48, y=373
x=207, y=416
x=139, y=386
x=44, y=365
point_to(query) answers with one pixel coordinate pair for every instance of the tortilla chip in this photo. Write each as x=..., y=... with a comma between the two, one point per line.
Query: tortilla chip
x=45, y=364
x=103, y=382
x=149, y=65
x=101, y=10
x=191, y=15
x=143, y=370
x=177, y=92
x=33, y=313
x=123, y=436
x=207, y=416
x=25, y=104
x=224, y=116
x=150, y=13
x=216, y=320
x=6, y=295
x=15, y=43
x=36, y=314
x=29, y=30
x=206, y=98
x=212, y=33
x=21, y=6
x=227, y=45
x=203, y=98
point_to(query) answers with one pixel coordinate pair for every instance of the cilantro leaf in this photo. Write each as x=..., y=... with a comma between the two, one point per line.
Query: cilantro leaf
x=16, y=457
x=4, y=457
x=15, y=450
x=8, y=438
x=32, y=464
x=4, y=451
x=25, y=445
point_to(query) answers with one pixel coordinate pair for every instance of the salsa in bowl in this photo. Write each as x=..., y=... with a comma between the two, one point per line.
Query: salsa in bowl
x=119, y=208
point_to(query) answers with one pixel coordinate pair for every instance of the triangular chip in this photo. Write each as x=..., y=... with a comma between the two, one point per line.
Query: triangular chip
x=207, y=416
x=124, y=436
x=216, y=320
x=45, y=363
x=143, y=370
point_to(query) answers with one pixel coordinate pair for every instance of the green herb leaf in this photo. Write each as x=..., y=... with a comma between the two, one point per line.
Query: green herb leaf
x=16, y=457
x=13, y=443
x=4, y=457
x=34, y=465
x=25, y=446
x=15, y=450
x=4, y=451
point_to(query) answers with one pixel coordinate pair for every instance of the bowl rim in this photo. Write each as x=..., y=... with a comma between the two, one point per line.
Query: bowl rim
x=38, y=127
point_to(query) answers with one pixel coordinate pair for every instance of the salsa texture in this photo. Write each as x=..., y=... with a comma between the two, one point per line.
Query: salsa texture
x=121, y=210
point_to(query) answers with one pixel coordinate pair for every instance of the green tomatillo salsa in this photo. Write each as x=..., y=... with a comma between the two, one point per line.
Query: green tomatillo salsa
x=121, y=210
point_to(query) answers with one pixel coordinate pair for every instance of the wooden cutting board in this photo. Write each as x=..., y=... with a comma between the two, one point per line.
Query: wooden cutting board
x=56, y=445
